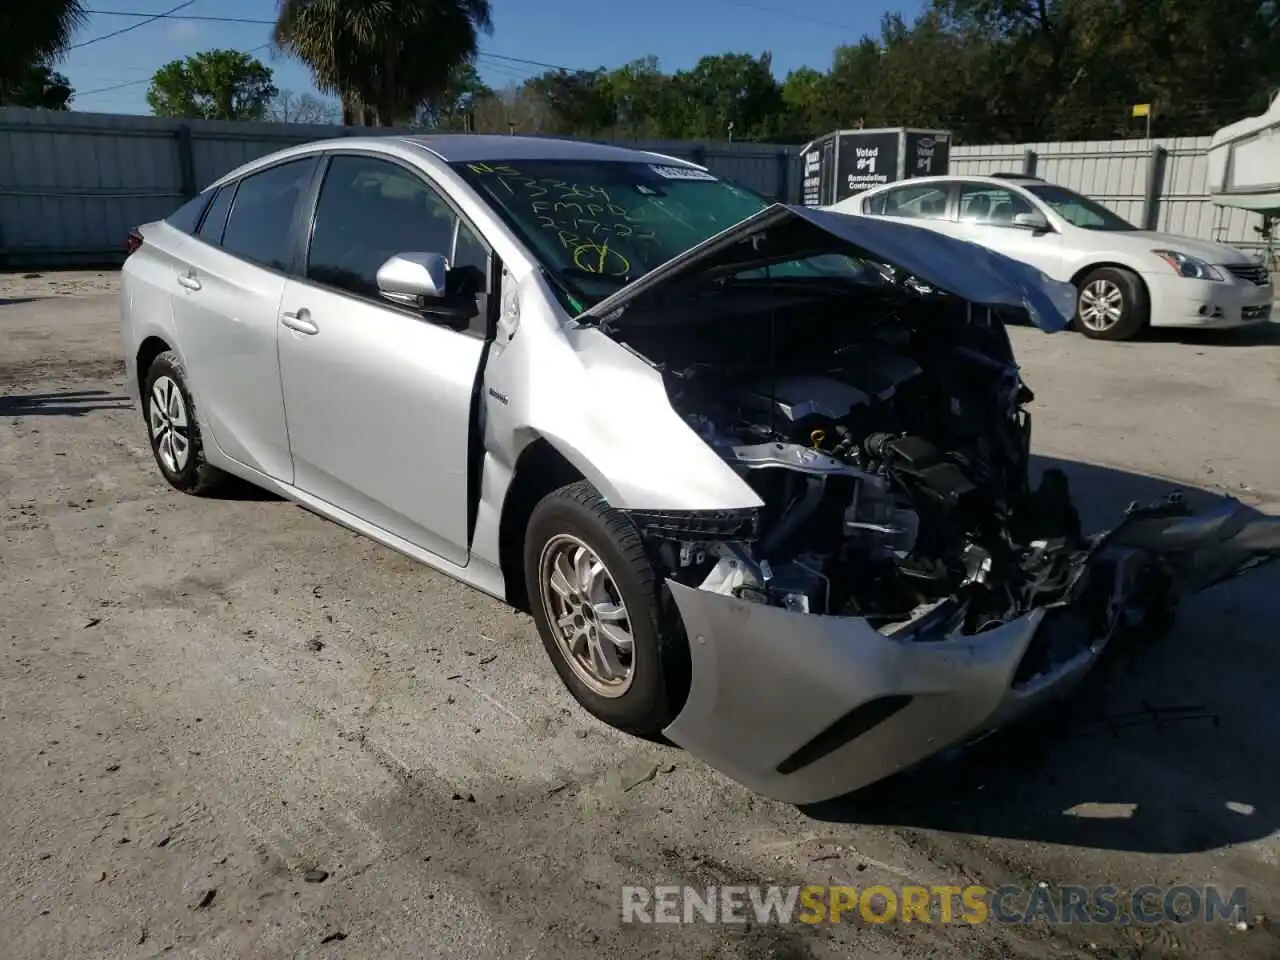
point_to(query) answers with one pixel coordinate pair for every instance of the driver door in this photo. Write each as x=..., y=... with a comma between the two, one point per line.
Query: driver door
x=378, y=397
x=986, y=218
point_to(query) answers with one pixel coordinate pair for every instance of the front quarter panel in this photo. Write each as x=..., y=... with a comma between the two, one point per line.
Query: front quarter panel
x=605, y=410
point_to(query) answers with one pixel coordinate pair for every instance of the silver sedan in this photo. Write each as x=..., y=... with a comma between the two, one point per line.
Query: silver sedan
x=759, y=473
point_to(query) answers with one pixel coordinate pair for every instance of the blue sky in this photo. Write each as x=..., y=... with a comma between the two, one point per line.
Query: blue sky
x=566, y=33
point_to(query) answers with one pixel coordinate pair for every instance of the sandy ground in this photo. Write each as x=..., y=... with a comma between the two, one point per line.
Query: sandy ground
x=202, y=700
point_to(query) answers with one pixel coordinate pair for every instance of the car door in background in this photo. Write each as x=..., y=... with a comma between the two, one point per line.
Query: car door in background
x=227, y=313
x=986, y=214
x=925, y=204
x=379, y=396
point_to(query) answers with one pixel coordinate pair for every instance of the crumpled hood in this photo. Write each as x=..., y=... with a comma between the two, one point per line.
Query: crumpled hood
x=957, y=267
x=960, y=268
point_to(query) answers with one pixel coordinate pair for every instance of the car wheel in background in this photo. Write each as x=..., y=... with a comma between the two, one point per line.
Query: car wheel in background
x=173, y=429
x=1111, y=304
x=598, y=605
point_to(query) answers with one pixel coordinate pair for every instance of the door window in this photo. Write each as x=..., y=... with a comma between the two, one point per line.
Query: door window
x=370, y=210
x=260, y=227
x=924, y=201
x=216, y=219
x=984, y=203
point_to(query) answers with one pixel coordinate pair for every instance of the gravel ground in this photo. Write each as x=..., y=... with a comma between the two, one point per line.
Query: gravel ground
x=203, y=700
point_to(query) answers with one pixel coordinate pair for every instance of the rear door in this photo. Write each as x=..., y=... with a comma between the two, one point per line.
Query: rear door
x=227, y=309
x=924, y=204
x=380, y=397
x=986, y=212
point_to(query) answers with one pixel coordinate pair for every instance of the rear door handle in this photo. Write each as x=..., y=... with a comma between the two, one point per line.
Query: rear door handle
x=300, y=321
x=189, y=281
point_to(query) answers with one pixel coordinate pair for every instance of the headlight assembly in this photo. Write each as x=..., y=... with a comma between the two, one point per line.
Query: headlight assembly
x=1185, y=265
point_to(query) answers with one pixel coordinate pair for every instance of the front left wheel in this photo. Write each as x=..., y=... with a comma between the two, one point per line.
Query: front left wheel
x=172, y=426
x=598, y=604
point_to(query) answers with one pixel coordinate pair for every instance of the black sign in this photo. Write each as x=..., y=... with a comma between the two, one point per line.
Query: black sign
x=927, y=154
x=811, y=174
x=866, y=160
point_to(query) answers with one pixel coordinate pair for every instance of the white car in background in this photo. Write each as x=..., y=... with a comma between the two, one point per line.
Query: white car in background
x=1126, y=278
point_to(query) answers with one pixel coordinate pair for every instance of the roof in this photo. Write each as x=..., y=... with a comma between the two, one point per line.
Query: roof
x=480, y=148
x=952, y=178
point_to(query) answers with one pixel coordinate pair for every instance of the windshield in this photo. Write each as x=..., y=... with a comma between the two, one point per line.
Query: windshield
x=597, y=225
x=1078, y=210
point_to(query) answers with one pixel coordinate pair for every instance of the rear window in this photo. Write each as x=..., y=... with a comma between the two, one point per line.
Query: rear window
x=187, y=216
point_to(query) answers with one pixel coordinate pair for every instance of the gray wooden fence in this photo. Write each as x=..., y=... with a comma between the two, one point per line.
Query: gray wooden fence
x=73, y=184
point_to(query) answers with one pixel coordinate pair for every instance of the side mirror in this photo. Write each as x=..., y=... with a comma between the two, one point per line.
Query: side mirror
x=1034, y=222
x=411, y=279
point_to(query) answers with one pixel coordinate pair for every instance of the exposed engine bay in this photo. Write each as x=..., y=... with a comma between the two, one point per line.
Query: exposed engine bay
x=889, y=441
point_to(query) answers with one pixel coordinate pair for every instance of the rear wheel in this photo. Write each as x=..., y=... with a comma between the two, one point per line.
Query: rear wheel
x=172, y=426
x=597, y=602
x=1111, y=304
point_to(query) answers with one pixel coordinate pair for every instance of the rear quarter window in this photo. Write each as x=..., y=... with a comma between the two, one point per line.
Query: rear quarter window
x=187, y=217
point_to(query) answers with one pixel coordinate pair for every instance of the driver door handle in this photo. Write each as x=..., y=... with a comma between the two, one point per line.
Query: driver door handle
x=189, y=280
x=300, y=321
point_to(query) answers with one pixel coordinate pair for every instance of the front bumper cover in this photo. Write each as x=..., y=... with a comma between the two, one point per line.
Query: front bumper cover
x=803, y=708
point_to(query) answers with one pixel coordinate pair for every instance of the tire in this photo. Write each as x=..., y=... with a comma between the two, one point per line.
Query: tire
x=170, y=416
x=1112, y=287
x=576, y=516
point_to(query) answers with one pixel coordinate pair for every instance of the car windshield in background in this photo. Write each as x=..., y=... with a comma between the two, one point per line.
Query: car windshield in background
x=1077, y=210
x=598, y=225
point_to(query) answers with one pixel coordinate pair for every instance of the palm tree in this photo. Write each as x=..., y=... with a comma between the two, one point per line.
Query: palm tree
x=382, y=57
x=35, y=34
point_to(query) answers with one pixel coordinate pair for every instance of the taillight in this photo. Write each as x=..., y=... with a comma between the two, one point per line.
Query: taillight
x=132, y=242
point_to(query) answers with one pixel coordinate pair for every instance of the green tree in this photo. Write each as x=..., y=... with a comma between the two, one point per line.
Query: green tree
x=384, y=58
x=642, y=99
x=731, y=88
x=580, y=101
x=39, y=87
x=213, y=85
x=32, y=37
x=454, y=108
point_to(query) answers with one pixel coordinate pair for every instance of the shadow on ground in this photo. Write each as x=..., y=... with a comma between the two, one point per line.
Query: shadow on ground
x=69, y=403
x=1169, y=751
x=233, y=488
x=11, y=301
x=1256, y=335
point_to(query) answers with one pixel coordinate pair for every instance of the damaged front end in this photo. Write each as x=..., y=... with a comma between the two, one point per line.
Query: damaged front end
x=903, y=586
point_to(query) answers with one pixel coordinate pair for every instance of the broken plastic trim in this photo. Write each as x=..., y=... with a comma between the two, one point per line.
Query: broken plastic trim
x=736, y=525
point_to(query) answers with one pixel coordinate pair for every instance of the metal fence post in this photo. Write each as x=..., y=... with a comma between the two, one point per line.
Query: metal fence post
x=186, y=162
x=1155, y=183
x=784, y=177
x=1029, y=159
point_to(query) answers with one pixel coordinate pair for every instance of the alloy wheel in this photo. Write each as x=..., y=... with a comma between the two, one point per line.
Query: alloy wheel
x=587, y=615
x=170, y=425
x=1101, y=305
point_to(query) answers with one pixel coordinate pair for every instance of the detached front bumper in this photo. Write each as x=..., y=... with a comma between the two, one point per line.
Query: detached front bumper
x=803, y=708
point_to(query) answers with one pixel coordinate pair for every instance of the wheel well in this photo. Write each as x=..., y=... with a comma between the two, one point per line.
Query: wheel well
x=540, y=469
x=151, y=348
x=1085, y=271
